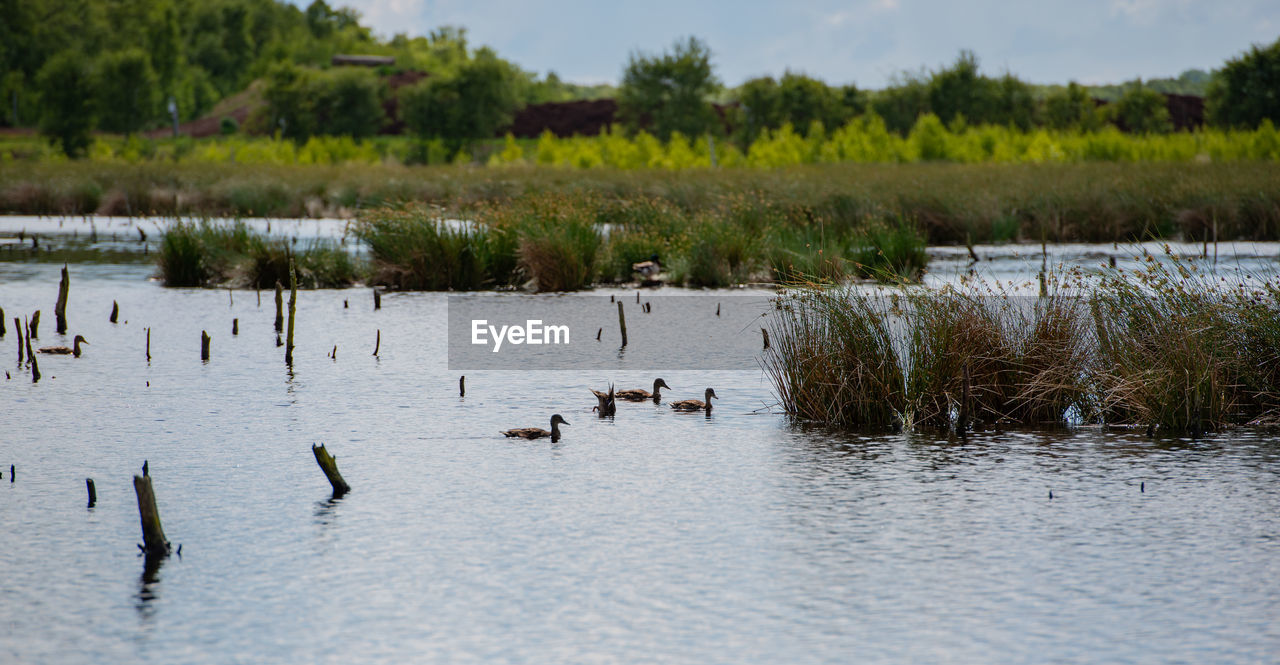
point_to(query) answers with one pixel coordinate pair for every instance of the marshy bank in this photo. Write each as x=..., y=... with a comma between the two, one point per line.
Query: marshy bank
x=1165, y=346
x=949, y=203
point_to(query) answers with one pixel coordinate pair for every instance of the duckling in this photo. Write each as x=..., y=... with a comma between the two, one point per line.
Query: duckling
x=640, y=395
x=695, y=405
x=538, y=432
x=648, y=269
x=606, y=405
x=63, y=350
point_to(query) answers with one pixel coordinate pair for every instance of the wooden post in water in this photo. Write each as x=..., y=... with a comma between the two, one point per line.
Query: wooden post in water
x=377, y=298
x=622, y=323
x=204, y=345
x=279, y=307
x=1, y=322
x=148, y=344
x=329, y=464
x=377, y=344
x=31, y=358
x=93, y=493
x=60, y=309
x=17, y=327
x=154, y=543
x=293, y=302
x=235, y=326
x=115, y=311
x=462, y=386
x=33, y=327
x=717, y=309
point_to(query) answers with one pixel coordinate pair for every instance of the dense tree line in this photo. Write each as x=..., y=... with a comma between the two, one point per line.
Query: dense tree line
x=73, y=66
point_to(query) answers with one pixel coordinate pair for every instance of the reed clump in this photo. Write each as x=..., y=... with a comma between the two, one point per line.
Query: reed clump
x=1167, y=347
x=200, y=253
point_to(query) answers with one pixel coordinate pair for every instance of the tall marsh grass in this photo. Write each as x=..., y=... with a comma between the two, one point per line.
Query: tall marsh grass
x=204, y=253
x=1167, y=347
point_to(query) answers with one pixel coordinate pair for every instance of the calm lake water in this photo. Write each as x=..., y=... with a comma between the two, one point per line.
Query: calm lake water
x=650, y=537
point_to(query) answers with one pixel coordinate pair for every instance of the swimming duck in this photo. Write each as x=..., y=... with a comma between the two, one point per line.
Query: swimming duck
x=63, y=350
x=648, y=269
x=538, y=432
x=606, y=404
x=694, y=404
x=640, y=395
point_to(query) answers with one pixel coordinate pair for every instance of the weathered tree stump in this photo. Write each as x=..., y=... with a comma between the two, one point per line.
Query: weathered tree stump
x=31, y=358
x=279, y=307
x=60, y=309
x=1, y=322
x=235, y=326
x=17, y=327
x=204, y=345
x=462, y=386
x=377, y=343
x=293, y=305
x=93, y=492
x=377, y=299
x=148, y=344
x=33, y=328
x=115, y=311
x=153, y=540
x=329, y=464
x=622, y=323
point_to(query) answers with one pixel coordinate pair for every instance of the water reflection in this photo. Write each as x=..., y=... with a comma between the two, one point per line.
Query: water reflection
x=149, y=586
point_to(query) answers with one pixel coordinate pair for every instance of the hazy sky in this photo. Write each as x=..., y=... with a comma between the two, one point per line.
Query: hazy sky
x=861, y=41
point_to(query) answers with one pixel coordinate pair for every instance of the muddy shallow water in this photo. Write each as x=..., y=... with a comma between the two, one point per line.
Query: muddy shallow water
x=649, y=537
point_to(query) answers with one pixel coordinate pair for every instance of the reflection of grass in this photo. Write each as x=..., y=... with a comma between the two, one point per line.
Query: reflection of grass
x=201, y=253
x=1165, y=347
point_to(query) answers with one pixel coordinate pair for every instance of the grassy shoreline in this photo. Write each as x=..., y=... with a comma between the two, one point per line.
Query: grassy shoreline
x=949, y=203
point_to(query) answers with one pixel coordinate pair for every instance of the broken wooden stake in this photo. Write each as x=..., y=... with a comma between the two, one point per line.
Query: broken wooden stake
x=293, y=303
x=598, y=332
x=377, y=299
x=334, y=353
x=60, y=309
x=148, y=344
x=154, y=543
x=717, y=309
x=235, y=326
x=345, y=304
x=329, y=464
x=462, y=386
x=93, y=493
x=17, y=327
x=204, y=345
x=115, y=311
x=377, y=344
x=1, y=322
x=279, y=307
x=622, y=323
x=31, y=358
x=33, y=327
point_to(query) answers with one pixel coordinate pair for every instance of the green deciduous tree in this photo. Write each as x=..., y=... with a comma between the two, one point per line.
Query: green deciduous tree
x=1247, y=89
x=1141, y=110
x=670, y=92
x=475, y=103
x=128, y=91
x=1071, y=108
x=67, y=114
x=348, y=102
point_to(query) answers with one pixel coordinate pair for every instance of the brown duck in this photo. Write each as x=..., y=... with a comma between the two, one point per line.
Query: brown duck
x=640, y=395
x=538, y=432
x=606, y=403
x=63, y=350
x=695, y=404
